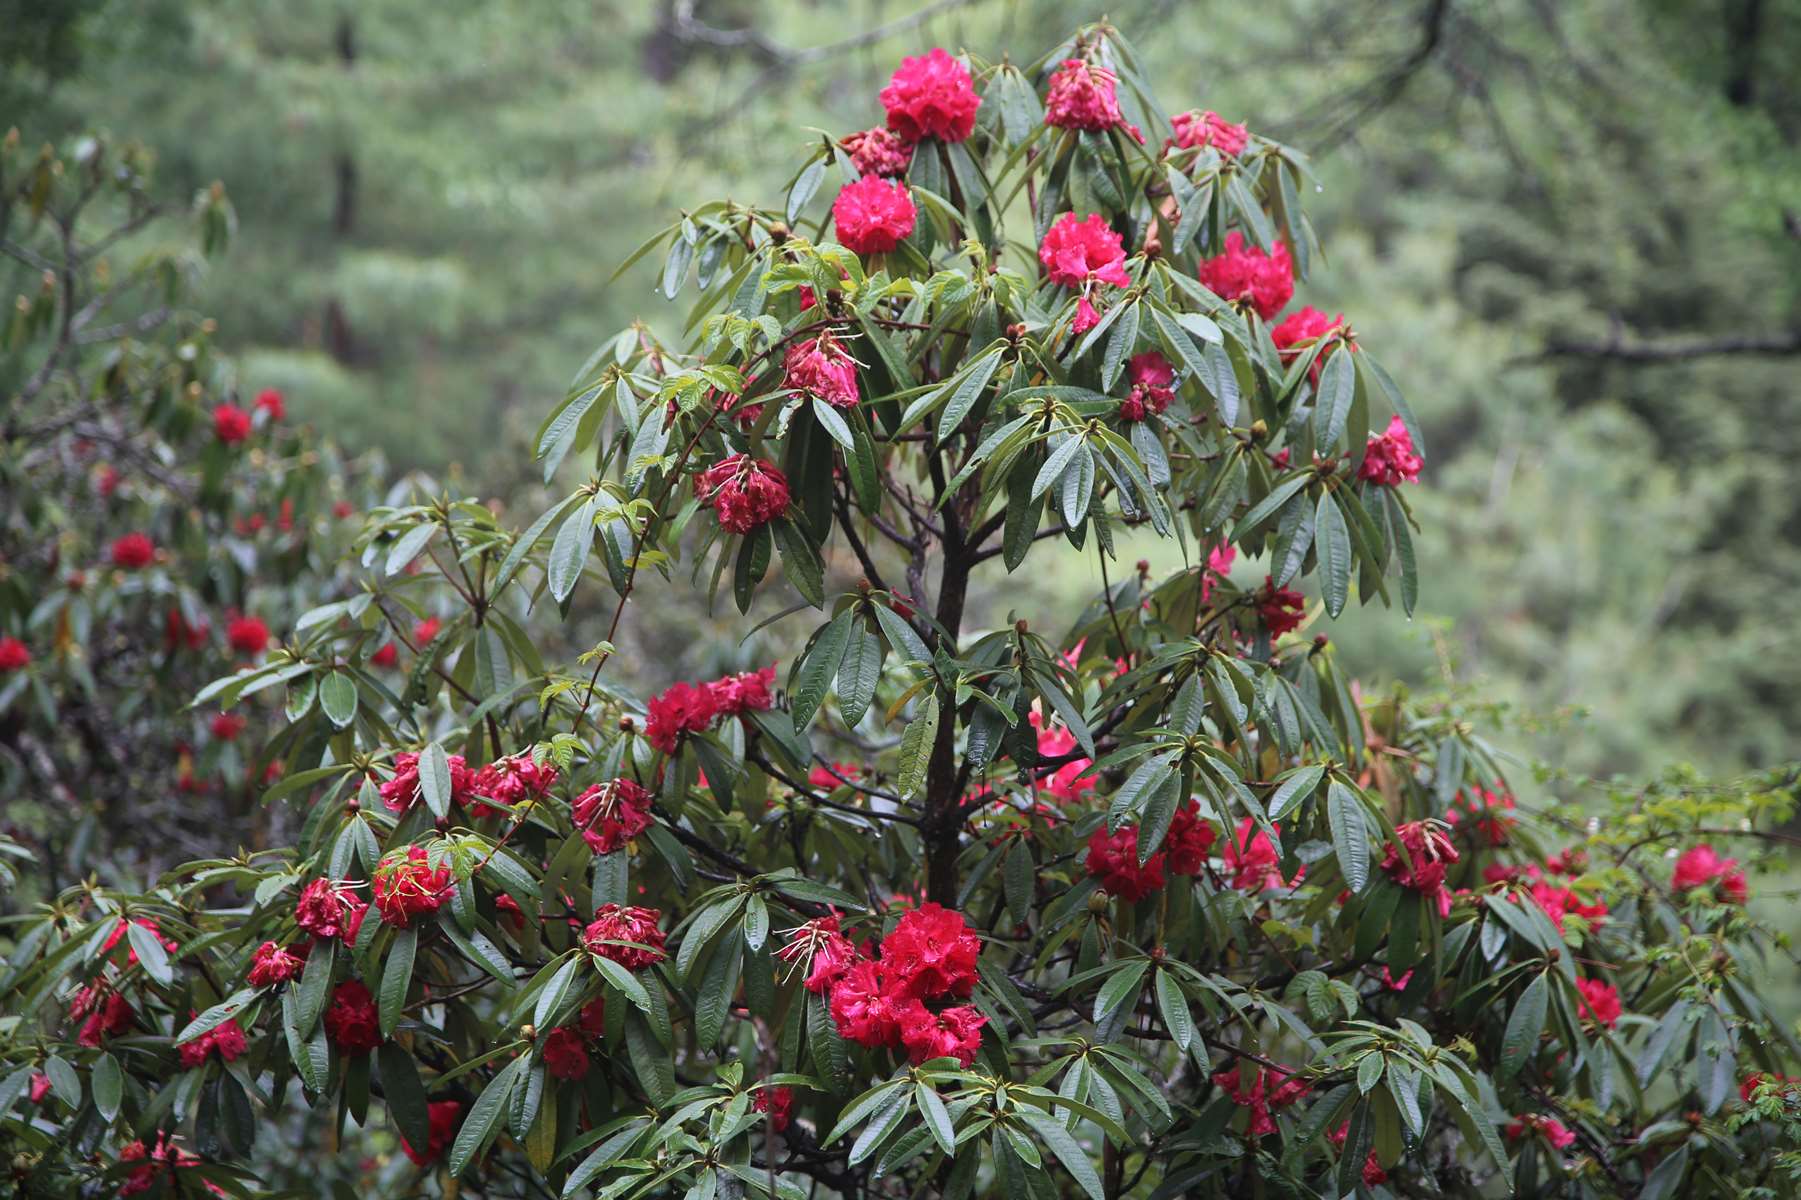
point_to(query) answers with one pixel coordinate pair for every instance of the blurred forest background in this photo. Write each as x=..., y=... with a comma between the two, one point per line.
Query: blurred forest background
x=433, y=196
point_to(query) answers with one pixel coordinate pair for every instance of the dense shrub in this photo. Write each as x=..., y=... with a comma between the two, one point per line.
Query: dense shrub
x=1150, y=901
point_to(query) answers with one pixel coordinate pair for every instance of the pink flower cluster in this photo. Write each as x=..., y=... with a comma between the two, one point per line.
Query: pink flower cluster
x=1429, y=855
x=1084, y=96
x=1280, y=609
x=1701, y=867
x=821, y=367
x=1389, y=460
x=1081, y=253
x=511, y=781
x=1208, y=128
x=878, y=152
x=1269, y=1089
x=1153, y=386
x=745, y=493
x=931, y=95
x=873, y=216
x=328, y=909
x=402, y=791
x=616, y=924
x=898, y=1000
x=1252, y=860
x=1486, y=811
x=226, y=1040
x=691, y=708
x=1243, y=272
x=408, y=886
x=1113, y=858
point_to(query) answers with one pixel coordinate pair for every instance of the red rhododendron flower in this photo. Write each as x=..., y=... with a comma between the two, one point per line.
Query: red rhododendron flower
x=159, y=1158
x=1084, y=96
x=778, y=1102
x=862, y=1010
x=387, y=656
x=402, y=791
x=247, y=635
x=1113, y=859
x=1153, y=381
x=745, y=493
x=931, y=95
x=1219, y=566
x=1486, y=810
x=821, y=368
x=1269, y=1089
x=953, y=1033
x=681, y=708
x=1188, y=840
x=1549, y=1128
x=748, y=691
x=1747, y=1090
x=616, y=923
x=40, y=1086
x=611, y=814
x=824, y=779
x=1242, y=272
x=409, y=886
x=1600, y=1001
x=227, y=1041
x=120, y=932
x=1208, y=128
x=873, y=215
x=1559, y=902
x=231, y=424
x=426, y=630
x=877, y=152
x=1701, y=867
x=107, y=481
x=1077, y=252
x=14, y=654
x=132, y=551
x=1280, y=609
x=821, y=951
x=512, y=781
x=327, y=910
x=271, y=401
x=1253, y=861
x=227, y=726
x=1067, y=782
x=932, y=952
x=1389, y=460
x=1373, y=1173
x=351, y=1020
x=1298, y=331
x=444, y=1115
x=107, y=1014
x=272, y=964
x=1429, y=854
x=565, y=1053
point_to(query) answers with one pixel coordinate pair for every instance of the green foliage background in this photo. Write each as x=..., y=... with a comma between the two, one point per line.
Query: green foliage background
x=433, y=197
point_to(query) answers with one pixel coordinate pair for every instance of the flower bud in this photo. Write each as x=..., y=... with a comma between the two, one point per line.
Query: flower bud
x=1097, y=902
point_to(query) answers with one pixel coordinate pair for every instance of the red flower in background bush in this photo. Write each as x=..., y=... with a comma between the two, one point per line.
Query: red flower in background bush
x=778, y=1102
x=327, y=910
x=161, y=1157
x=744, y=492
x=931, y=95
x=611, y=814
x=1084, y=96
x=271, y=401
x=272, y=964
x=226, y=1040
x=351, y=1020
x=1701, y=867
x=387, y=656
x=1252, y=860
x=247, y=635
x=1389, y=460
x=1113, y=859
x=1067, y=783
x=678, y=709
x=1280, y=609
x=1207, y=128
x=1559, y=902
x=1269, y=1089
x=445, y=1116
x=1188, y=840
x=14, y=654
x=823, y=952
x=1549, y=1128
x=565, y=1053
x=1429, y=854
x=402, y=791
x=1299, y=330
x=1600, y=1001
x=615, y=923
x=177, y=633
x=823, y=369
x=410, y=886
x=231, y=424
x=103, y=1013
x=1243, y=272
x=512, y=781
x=878, y=152
x=748, y=691
x=133, y=551
x=873, y=215
x=426, y=630
x=1373, y=1173
x=227, y=726
x=1487, y=812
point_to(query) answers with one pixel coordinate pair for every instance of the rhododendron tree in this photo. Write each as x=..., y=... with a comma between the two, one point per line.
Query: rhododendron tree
x=1142, y=900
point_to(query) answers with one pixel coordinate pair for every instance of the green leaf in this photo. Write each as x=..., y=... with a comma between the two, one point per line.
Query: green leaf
x=150, y=952
x=937, y=1117
x=1332, y=403
x=800, y=562
x=806, y=184
x=858, y=674
x=337, y=695
x=484, y=1116
x=814, y=678
x=916, y=747
x=1293, y=790
x=315, y=983
x=108, y=1087
x=1350, y=836
x=968, y=391
x=1054, y=1134
x=434, y=780
x=1121, y=987
x=569, y=553
x=1172, y=1003
x=1332, y=541
x=408, y=547
x=834, y=425
x=618, y=1135
x=404, y=1093
x=1053, y=467
x=623, y=980
x=1524, y=1025
x=63, y=1080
